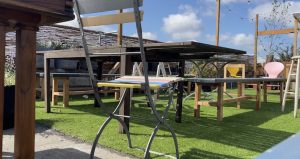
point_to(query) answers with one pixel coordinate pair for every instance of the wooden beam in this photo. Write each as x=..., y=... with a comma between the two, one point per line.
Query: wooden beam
x=120, y=32
x=2, y=61
x=225, y=101
x=110, y=19
x=218, y=22
x=296, y=31
x=255, y=47
x=276, y=32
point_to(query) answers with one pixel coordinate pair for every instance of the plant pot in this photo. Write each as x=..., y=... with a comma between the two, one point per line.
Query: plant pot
x=9, y=107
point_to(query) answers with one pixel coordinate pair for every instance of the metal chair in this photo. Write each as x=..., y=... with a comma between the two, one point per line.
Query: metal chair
x=84, y=9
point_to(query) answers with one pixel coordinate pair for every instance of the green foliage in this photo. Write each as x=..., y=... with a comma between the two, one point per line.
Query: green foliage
x=204, y=70
x=52, y=45
x=10, y=72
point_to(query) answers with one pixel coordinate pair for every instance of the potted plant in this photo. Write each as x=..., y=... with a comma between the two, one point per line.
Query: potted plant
x=9, y=94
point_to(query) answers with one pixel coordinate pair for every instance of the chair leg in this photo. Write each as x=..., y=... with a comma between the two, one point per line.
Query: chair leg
x=112, y=116
x=54, y=90
x=297, y=89
x=66, y=86
x=161, y=121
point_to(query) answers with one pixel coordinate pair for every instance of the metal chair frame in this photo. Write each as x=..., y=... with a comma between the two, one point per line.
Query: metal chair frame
x=161, y=119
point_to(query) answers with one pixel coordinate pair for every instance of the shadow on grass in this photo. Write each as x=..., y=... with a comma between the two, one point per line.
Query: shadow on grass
x=240, y=130
x=200, y=154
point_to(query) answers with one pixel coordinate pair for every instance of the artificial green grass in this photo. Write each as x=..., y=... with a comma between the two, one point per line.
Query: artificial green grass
x=243, y=133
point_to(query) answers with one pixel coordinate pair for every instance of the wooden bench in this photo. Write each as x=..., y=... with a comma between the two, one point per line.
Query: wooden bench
x=66, y=91
x=219, y=82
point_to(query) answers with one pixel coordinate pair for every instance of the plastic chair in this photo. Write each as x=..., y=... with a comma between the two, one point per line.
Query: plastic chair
x=233, y=72
x=273, y=69
x=83, y=10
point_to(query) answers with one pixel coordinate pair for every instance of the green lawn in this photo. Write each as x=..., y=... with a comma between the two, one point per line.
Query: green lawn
x=244, y=133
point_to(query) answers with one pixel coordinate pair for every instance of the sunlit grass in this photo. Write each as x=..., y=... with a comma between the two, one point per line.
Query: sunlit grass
x=244, y=133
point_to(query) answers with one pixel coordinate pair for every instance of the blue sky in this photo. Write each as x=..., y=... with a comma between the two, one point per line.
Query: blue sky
x=185, y=20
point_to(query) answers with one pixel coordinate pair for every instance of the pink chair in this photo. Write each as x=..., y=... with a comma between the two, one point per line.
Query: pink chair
x=273, y=69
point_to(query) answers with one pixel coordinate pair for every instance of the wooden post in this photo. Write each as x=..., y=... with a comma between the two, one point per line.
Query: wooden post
x=180, y=92
x=258, y=98
x=218, y=22
x=120, y=32
x=255, y=47
x=295, y=51
x=54, y=90
x=239, y=94
x=47, y=84
x=66, y=91
x=197, y=98
x=220, y=102
x=2, y=61
x=125, y=69
x=25, y=92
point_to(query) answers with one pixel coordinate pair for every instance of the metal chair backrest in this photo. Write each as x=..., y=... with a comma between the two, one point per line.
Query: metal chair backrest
x=90, y=10
x=273, y=69
x=88, y=13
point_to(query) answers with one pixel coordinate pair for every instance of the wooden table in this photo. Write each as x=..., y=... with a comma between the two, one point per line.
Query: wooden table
x=219, y=82
x=155, y=52
x=24, y=17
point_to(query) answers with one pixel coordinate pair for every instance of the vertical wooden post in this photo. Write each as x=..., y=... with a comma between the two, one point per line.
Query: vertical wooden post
x=180, y=92
x=220, y=102
x=99, y=77
x=125, y=69
x=258, y=98
x=2, y=62
x=47, y=84
x=239, y=94
x=218, y=22
x=255, y=47
x=25, y=93
x=66, y=91
x=54, y=90
x=295, y=51
x=197, y=98
x=120, y=32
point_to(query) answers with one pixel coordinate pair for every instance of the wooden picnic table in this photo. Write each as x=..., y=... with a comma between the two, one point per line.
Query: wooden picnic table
x=24, y=17
x=155, y=52
x=219, y=82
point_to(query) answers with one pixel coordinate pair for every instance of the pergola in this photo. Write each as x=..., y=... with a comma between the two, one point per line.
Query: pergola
x=258, y=33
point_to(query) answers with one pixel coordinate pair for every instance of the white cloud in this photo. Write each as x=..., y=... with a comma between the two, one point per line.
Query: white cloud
x=264, y=10
x=184, y=25
x=147, y=35
x=239, y=41
x=235, y=1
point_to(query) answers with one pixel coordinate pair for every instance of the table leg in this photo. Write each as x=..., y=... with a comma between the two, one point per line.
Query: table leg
x=265, y=89
x=54, y=90
x=197, y=98
x=66, y=91
x=258, y=100
x=220, y=102
x=281, y=85
x=239, y=94
x=2, y=61
x=99, y=77
x=25, y=93
x=47, y=93
x=125, y=69
x=180, y=92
